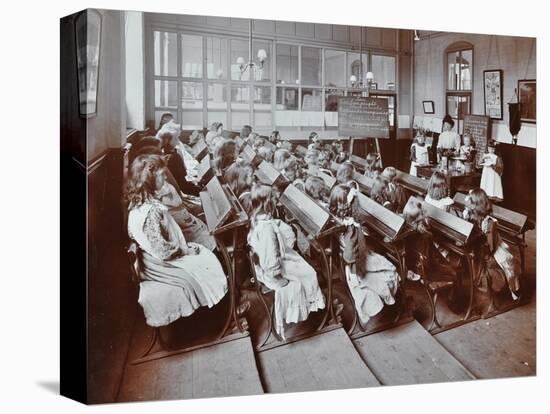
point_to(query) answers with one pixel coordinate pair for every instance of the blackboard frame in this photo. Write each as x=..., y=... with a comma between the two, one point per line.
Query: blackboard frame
x=382, y=132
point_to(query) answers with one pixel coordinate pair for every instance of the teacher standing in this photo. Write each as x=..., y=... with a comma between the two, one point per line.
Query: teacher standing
x=448, y=139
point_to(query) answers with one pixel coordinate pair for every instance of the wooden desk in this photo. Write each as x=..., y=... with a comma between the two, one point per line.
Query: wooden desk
x=460, y=237
x=458, y=181
x=226, y=217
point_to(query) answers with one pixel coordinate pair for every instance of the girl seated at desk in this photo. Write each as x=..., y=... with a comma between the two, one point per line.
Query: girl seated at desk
x=438, y=192
x=278, y=266
x=316, y=189
x=499, y=261
x=225, y=154
x=166, y=256
x=372, y=279
x=372, y=165
x=279, y=159
x=214, y=135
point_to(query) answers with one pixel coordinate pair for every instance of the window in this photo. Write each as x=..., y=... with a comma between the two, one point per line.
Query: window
x=335, y=68
x=356, y=66
x=201, y=78
x=287, y=64
x=383, y=68
x=216, y=58
x=311, y=66
x=459, y=70
x=191, y=56
x=166, y=54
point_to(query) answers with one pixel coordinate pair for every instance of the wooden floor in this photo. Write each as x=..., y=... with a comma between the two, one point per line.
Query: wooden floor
x=326, y=361
x=408, y=354
x=225, y=369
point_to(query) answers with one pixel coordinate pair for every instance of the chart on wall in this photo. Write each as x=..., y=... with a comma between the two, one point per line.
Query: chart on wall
x=363, y=117
x=478, y=126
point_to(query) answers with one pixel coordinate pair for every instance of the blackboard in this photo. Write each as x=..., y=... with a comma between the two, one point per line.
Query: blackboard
x=363, y=117
x=478, y=127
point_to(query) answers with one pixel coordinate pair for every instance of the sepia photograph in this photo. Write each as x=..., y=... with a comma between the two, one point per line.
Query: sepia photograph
x=278, y=206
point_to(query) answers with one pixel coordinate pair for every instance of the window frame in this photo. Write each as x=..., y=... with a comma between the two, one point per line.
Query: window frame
x=228, y=83
x=460, y=47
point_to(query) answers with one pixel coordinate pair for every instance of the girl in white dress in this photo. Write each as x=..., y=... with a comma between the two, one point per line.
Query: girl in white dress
x=372, y=279
x=419, y=153
x=493, y=167
x=187, y=275
x=279, y=266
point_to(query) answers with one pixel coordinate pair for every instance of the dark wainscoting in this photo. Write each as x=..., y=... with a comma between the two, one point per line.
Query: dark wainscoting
x=112, y=297
x=519, y=179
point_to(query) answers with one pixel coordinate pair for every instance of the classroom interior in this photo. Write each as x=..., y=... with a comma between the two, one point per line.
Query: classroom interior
x=288, y=77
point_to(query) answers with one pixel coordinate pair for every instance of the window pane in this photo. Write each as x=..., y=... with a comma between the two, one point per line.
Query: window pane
x=191, y=95
x=453, y=70
x=191, y=56
x=239, y=119
x=216, y=58
x=287, y=64
x=466, y=70
x=311, y=66
x=383, y=69
x=240, y=106
x=331, y=99
x=335, y=70
x=262, y=50
x=354, y=67
x=191, y=120
x=166, y=53
x=166, y=93
x=262, y=98
x=217, y=103
x=287, y=99
x=262, y=106
x=311, y=100
x=239, y=58
x=240, y=98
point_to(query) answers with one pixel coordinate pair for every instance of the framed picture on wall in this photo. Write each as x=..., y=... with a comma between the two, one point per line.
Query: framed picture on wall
x=428, y=107
x=492, y=93
x=527, y=93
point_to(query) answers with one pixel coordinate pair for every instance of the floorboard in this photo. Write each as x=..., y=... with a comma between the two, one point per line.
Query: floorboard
x=322, y=362
x=227, y=369
x=408, y=354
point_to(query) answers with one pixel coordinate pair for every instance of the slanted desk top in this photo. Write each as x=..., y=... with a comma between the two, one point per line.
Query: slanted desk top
x=385, y=222
x=222, y=209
